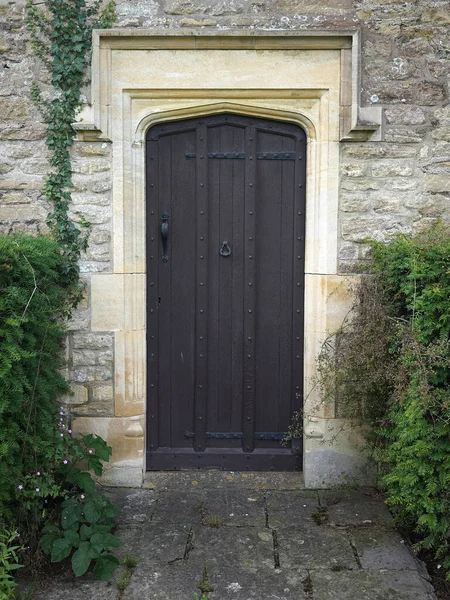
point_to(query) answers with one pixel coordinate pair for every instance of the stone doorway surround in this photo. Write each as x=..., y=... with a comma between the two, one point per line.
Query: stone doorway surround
x=143, y=77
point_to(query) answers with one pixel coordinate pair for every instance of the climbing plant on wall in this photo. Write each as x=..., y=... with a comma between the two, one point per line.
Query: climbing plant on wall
x=61, y=32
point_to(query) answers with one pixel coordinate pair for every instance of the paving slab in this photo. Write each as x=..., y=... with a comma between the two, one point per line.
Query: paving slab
x=260, y=537
x=315, y=547
x=350, y=507
x=379, y=548
x=369, y=585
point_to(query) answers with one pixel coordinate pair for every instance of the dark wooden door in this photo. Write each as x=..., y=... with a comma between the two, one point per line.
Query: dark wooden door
x=224, y=292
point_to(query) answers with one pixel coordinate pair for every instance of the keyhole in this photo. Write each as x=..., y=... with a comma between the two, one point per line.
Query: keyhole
x=159, y=300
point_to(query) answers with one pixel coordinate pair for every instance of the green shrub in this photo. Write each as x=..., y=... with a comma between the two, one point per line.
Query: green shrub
x=33, y=301
x=389, y=367
x=44, y=491
x=9, y=562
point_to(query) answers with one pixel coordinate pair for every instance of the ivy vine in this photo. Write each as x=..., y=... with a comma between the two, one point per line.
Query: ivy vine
x=61, y=32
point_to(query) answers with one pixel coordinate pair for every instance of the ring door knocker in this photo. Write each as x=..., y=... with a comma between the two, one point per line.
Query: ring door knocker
x=225, y=250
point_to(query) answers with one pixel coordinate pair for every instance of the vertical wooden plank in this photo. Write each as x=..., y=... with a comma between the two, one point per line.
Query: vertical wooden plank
x=287, y=249
x=201, y=284
x=213, y=240
x=152, y=189
x=299, y=273
x=248, y=393
x=237, y=284
x=182, y=238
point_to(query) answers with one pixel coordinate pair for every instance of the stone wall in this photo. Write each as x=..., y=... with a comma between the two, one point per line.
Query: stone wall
x=395, y=185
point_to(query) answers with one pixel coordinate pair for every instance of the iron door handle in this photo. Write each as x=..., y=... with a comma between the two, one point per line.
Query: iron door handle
x=164, y=234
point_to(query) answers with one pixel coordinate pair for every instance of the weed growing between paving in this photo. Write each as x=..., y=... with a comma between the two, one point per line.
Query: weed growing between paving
x=388, y=369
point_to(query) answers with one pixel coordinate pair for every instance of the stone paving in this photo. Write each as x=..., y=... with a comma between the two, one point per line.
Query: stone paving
x=260, y=536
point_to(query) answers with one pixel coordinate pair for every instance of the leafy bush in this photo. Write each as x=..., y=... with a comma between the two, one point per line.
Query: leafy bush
x=43, y=481
x=389, y=367
x=9, y=562
x=33, y=300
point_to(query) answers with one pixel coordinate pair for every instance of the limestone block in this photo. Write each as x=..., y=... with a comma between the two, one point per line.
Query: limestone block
x=95, y=341
x=39, y=166
x=21, y=213
x=114, y=431
x=359, y=228
x=429, y=93
x=438, y=164
x=81, y=199
x=353, y=169
x=392, y=168
x=434, y=205
x=118, y=302
x=103, y=393
x=80, y=395
x=5, y=166
x=99, y=236
x=402, y=135
x=88, y=374
x=91, y=166
x=98, y=149
x=22, y=182
x=93, y=214
x=14, y=198
x=381, y=150
x=386, y=202
x=16, y=109
x=129, y=380
x=436, y=183
x=405, y=115
x=443, y=115
x=354, y=202
x=441, y=133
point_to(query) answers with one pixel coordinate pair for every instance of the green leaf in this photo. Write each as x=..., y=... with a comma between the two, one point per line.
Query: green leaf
x=70, y=515
x=81, y=559
x=91, y=512
x=105, y=566
x=46, y=542
x=85, y=532
x=73, y=537
x=85, y=482
x=61, y=549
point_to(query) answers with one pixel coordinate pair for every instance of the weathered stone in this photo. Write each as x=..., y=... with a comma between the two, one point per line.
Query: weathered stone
x=436, y=183
x=93, y=214
x=95, y=199
x=443, y=115
x=99, y=236
x=367, y=151
x=360, y=228
x=15, y=109
x=80, y=395
x=386, y=203
x=38, y=166
x=354, y=203
x=441, y=15
x=14, y=198
x=86, y=374
x=21, y=213
x=103, y=394
x=5, y=166
x=405, y=115
x=392, y=169
x=400, y=183
x=98, y=149
x=402, y=135
x=354, y=169
x=438, y=164
x=361, y=185
x=91, y=166
x=22, y=182
x=93, y=341
x=190, y=22
x=395, y=92
x=433, y=205
x=429, y=93
x=441, y=133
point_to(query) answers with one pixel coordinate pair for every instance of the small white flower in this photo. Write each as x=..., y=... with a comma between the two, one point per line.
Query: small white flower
x=61, y=435
x=69, y=431
x=20, y=487
x=38, y=490
x=90, y=451
x=65, y=461
x=38, y=473
x=82, y=496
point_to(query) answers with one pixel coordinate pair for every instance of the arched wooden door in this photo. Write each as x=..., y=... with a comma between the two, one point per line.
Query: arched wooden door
x=225, y=286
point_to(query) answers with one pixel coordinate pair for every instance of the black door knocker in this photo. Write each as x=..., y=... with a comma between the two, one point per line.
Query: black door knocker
x=225, y=249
